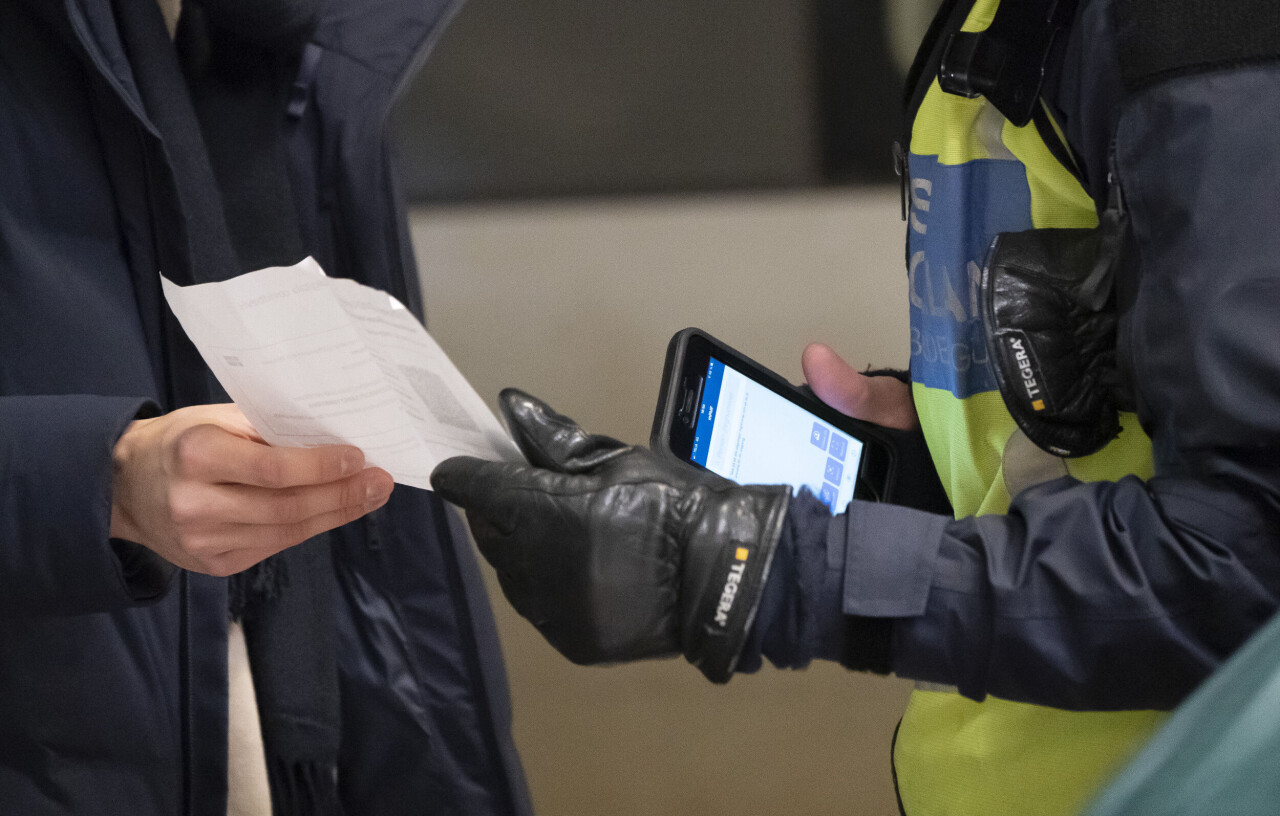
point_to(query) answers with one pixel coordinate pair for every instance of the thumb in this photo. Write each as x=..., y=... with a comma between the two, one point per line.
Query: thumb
x=492, y=491
x=551, y=440
x=879, y=400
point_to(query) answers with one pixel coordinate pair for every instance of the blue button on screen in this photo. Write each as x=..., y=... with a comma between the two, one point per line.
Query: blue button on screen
x=834, y=471
x=819, y=435
x=839, y=446
x=827, y=494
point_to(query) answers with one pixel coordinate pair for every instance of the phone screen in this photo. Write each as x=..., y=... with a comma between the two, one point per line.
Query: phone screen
x=752, y=435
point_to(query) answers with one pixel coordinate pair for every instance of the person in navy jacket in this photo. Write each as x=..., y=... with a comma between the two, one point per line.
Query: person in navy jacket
x=241, y=135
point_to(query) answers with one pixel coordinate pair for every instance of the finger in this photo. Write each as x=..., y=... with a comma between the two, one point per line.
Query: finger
x=283, y=536
x=239, y=547
x=493, y=497
x=464, y=481
x=551, y=440
x=497, y=499
x=232, y=550
x=228, y=415
x=879, y=400
x=497, y=548
x=214, y=454
x=199, y=504
x=494, y=491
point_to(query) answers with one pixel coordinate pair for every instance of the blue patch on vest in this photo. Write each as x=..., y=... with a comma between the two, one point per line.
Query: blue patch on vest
x=956, y=211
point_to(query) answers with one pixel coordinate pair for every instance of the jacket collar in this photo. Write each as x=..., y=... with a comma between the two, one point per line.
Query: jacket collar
x=93, y=27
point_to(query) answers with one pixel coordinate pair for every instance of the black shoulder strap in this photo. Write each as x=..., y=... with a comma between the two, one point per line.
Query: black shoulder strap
x=951, y=15
x=1006, y=62
x=1162, y=38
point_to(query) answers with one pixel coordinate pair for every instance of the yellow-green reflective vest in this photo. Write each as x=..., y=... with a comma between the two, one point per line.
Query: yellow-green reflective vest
x=972, y=175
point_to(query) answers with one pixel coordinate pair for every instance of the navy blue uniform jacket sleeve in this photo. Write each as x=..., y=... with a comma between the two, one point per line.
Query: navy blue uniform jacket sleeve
x=1127, y=594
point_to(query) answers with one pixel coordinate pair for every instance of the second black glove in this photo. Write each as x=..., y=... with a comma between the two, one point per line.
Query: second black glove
x=613, y=553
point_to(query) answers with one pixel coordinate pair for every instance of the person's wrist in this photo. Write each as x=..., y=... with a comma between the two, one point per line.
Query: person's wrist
x=124, y=455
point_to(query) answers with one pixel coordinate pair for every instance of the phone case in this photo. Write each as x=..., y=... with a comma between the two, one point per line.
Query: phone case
x=881, y=464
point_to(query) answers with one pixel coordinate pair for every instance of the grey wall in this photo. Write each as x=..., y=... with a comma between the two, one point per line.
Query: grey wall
x=547, y=97
x=534, y=98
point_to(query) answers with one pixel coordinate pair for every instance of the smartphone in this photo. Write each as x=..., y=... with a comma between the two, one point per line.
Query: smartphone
x=720, y=410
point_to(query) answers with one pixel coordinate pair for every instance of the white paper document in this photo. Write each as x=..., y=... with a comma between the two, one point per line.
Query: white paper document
x=313, y=360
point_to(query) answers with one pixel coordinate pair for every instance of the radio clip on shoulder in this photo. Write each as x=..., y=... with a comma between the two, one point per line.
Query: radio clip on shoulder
x=1006, y=62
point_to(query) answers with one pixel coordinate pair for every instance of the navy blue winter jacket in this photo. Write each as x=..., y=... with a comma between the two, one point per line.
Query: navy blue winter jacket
x=112, y=663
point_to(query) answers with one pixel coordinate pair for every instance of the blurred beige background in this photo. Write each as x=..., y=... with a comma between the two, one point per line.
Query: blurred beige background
x=574, y=301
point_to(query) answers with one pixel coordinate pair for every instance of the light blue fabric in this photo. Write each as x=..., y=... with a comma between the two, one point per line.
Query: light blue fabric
x=1219, y=753
x=957, y=209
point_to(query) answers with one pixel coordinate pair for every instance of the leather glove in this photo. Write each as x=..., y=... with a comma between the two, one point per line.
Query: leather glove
x=1051, y=334
x=613, y=553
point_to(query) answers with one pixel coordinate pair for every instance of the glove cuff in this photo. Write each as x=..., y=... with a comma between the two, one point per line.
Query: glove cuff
x=727, y=561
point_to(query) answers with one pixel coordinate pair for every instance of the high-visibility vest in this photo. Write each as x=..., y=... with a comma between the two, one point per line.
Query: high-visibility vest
x=974, y=174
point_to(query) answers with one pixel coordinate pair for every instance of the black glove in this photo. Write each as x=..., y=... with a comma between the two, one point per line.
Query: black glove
x=1051, y=334
x=613, y=553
